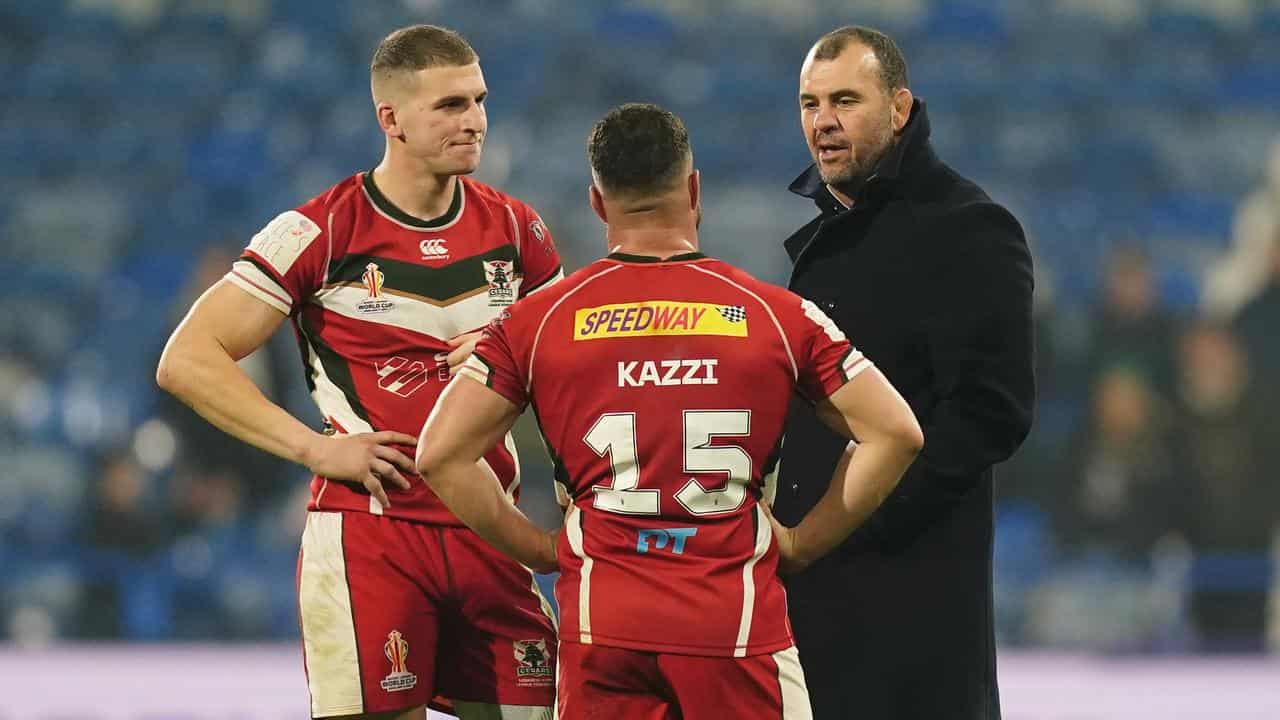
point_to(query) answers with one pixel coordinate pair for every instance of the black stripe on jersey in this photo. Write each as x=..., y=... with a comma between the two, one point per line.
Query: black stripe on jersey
x=401, y=216
x=627, y=257
x=436, y=283
x=560, y=473
x=336, y=367
x=844, y=375
x=304, y=349
x=525, y=291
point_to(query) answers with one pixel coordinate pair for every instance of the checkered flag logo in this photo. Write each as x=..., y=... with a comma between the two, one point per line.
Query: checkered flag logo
x=733, y=313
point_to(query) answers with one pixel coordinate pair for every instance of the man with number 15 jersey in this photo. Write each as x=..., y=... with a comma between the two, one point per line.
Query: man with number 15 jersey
x=660, y=379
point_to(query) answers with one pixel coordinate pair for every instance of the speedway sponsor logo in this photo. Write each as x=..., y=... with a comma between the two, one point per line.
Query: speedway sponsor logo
x=659, y=317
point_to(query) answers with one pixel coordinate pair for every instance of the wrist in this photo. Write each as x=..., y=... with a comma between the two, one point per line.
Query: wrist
x=307, y=449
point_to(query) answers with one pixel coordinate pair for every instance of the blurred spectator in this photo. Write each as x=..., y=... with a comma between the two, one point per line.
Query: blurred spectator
x=121, y=519
x=1123, y=486
x=1231, y=442
x=1129, y=325
x=1258, y=323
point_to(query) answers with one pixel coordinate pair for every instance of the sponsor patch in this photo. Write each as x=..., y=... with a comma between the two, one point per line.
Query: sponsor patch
x=284, y=239
x=659, y=317
x=397, y=651
x=533, y=665
x=434, y=249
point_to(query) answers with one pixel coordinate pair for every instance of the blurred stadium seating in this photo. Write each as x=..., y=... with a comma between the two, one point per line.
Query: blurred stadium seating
x=143, y=141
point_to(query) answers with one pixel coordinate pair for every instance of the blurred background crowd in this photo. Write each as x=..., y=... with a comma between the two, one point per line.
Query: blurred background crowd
x=142, y=142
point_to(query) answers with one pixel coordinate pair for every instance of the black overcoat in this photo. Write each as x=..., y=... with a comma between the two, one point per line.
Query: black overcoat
x=932, y=281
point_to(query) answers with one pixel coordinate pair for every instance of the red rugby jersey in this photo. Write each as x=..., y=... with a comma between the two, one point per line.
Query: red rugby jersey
x=374, y=293
x=661, y=388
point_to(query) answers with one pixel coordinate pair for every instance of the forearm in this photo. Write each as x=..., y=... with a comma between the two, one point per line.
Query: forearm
x=479, y=502
x=215, y=387
x=861, y=482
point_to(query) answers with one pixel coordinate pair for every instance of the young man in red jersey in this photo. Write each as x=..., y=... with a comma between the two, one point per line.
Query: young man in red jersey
x=386, y=277
x=661, y=378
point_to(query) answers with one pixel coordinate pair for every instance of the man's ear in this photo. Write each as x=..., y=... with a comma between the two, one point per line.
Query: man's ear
x=695, y=189
x=597, y=203
x=387, y=121
x=902, y=101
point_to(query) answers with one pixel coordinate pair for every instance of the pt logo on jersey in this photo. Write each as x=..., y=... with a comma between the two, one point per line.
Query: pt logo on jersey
x=533, y=666
x=499, y=275
x=659, y=317
x=434, y=249
x=397, y=651
x=660, y=538
x=373, y=279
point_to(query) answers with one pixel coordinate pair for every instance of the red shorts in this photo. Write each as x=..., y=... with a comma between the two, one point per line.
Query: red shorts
x=394, y=612
x=605, y=683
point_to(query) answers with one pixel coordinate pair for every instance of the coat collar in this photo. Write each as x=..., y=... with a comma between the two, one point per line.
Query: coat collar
x=912, y=152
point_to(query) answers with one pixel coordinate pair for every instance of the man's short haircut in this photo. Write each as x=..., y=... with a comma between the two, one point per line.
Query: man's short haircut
x=893, y=66
x=638, y=149
x=418, y=47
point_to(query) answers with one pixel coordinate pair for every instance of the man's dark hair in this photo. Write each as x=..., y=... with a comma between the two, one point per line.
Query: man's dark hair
x=418, y=47
x=638, y=149
x=893, y=66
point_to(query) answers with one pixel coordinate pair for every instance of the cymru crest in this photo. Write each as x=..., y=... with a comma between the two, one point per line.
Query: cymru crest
x=500, y=274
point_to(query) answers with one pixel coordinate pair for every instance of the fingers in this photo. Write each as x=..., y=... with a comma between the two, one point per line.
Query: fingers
x=396, y=458
x=463, y=339
x=391, y=437
x=374, y=486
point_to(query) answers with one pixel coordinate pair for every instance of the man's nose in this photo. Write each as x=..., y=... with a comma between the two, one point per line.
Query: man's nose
x=474, y=119
x=825, y=120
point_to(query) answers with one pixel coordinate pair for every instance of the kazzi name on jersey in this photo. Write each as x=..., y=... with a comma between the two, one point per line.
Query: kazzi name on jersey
x=699, y=371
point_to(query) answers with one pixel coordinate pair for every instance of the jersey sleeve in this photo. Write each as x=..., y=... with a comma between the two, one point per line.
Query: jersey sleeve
x=286, y=261
x=825, y=360
x=496, y=363
x=538, y=254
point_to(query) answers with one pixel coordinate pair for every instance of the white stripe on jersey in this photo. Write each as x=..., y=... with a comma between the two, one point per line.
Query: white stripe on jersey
x=795, y=695
x=475, y=369
x=795, y=370
x=764, y=534
x=411, y=313
x=856, y=363
x=329, y=398
x=573, y=528
x=246, y=276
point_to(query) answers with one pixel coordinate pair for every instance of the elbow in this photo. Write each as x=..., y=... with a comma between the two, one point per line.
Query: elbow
x=171, y=372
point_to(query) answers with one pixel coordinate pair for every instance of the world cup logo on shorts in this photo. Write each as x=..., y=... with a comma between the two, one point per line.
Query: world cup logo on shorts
x=397, y=651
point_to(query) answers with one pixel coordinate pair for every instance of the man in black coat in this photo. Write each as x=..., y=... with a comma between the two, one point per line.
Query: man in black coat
x=932, y=281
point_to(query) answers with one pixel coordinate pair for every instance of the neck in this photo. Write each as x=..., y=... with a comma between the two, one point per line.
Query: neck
x=411, y=186
x=652, y=240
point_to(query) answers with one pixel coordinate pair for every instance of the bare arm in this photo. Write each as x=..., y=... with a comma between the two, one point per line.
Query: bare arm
x=468, y=419
x=869, y=409
x=198, y=366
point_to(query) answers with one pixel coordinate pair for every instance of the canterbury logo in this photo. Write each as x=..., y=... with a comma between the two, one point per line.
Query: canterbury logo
x=433, y=249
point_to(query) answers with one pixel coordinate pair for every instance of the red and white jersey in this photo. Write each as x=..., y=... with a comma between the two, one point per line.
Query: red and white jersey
x=661, y=388
x=374, y=294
